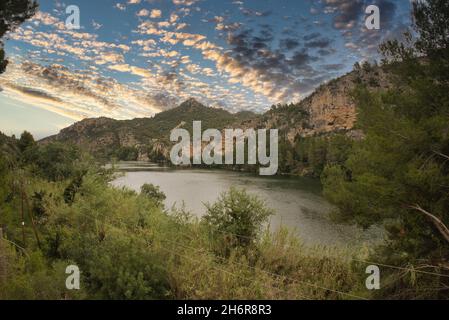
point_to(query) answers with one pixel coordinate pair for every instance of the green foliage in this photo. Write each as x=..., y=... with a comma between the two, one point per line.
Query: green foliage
x=309, y=156
x=237, y=217
x=128, y=247
x=153, y=192
x=198, y=273
x=32, y=277
x=398, y=176
x=127, y=154
x=3, y=61
x=55, y=161
x=73, y=188
x=26, y=141
x=103, y=230
x=431, y=24
x=150, y=136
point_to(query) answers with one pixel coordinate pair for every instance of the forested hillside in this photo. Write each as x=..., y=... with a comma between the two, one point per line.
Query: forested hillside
x=144, y=138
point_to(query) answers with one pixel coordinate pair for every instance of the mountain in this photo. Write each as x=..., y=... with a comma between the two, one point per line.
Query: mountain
x=144, y=138
x=329, y=109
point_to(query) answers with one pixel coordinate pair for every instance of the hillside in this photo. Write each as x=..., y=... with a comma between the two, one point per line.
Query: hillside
x=143, y=138
x=329, y=109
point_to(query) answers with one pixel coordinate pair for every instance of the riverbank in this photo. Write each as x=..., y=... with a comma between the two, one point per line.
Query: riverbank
x=297, y=201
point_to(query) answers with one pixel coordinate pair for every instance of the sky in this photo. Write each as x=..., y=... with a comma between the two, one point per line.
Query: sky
x=135, y=58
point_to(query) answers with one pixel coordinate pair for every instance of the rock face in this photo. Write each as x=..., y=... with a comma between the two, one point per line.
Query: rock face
x=93, y=134
x=331, y=108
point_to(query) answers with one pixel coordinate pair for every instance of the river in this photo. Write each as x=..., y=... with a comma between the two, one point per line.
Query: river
x=297, y=202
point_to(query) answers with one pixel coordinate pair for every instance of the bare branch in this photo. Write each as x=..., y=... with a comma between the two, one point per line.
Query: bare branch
x=436, y=221
x=441, y=154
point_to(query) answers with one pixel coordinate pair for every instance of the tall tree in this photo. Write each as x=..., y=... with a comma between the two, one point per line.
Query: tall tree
x=26, y=141
x=398, y=175
x=12, y=14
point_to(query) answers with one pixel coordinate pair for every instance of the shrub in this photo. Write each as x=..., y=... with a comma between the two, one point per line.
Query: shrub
x=237, y=217
x=153, y=192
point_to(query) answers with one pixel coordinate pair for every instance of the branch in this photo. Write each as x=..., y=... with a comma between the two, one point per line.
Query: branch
x=441, y=154
x=436, y=221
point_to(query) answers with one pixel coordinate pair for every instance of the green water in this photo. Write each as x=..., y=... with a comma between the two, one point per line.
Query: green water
x=297, y=201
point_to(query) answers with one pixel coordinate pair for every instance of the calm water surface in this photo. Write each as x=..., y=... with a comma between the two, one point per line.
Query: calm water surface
x=297, y=201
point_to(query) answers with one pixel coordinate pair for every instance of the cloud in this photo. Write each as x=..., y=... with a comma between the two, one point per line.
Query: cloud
x=143, y=13
x=347, y=12
x=120, y=6
x=333, y=67
x=96, y=25
x=349, y=18
x=255, y=13
x=155, y=13
x=32, y=92
x=185, y=2
x=319, y=43
x=252, y=62
x=247, y=63
x=289, y=44
x=162, y=101
x=173, y=18
x=80, y=95
x=311, y=36
x=80, y=45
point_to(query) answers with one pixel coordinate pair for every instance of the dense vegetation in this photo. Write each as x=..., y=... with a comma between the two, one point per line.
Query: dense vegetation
x=310, y=155
x=398, y=176
x=125, y=140
x=128, y=246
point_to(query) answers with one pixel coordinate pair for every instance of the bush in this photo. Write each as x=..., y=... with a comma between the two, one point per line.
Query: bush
x=55, y=161
x=31, y=276
x=127, y=154
x=153, y=192
x=237, y=217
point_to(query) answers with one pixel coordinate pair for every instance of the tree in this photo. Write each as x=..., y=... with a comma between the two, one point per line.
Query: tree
x=12, y=14
x=26, y=141
x=398, y=176
x=339, y=148
x=153, y=192
x=431, y=24
x=56, y=161
x=237, y=217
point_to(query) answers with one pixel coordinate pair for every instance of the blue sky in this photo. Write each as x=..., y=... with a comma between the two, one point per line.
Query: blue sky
x=135, y=58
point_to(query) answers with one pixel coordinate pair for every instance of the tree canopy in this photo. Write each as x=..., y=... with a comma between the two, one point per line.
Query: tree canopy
x=12, y=14
x=398, y=176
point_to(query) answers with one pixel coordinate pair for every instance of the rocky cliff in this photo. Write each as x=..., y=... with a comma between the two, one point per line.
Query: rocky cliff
x=330, y=108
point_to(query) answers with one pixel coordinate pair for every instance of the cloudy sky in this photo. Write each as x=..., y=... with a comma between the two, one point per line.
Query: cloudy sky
x=135, y=58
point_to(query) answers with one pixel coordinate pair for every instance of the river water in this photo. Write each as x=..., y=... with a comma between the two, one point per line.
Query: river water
x=297, y=202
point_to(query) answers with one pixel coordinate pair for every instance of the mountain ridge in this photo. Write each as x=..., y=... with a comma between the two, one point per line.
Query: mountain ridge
x=330, y=108
x=143, y=138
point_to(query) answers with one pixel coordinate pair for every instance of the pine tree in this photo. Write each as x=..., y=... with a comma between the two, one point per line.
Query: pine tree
x=398, y=176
